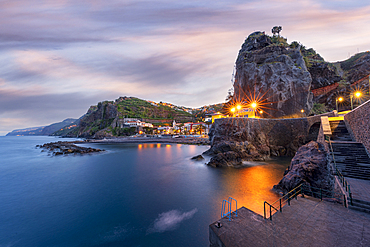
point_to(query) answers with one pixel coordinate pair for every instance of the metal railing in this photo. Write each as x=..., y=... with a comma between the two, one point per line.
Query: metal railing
x=302, y=190
x=343, y=181
x=229, y=211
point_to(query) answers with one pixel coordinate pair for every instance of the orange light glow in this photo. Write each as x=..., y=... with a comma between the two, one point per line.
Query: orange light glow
x=340, y=99
x=232, y=109
x=238, y=107
x=261, y=111
x=254, y=105
x=302, y=111
x=140, y=146
x=358, y=94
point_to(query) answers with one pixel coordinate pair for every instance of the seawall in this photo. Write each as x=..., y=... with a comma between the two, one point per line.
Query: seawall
x=287, y=134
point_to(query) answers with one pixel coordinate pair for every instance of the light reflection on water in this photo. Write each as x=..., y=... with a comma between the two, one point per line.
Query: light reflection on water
x=115, y=198
x=250, y=185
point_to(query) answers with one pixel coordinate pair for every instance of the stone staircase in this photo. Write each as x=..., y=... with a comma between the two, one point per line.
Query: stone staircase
x=360, y=205
x=351, y=159
x=339, y=131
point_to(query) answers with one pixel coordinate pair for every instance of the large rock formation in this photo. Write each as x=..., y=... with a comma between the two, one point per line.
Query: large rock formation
x=234, y=140
x=268, y=67
x=310, y=167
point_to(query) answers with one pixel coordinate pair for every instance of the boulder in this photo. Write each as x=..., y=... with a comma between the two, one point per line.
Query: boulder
x=310, y=167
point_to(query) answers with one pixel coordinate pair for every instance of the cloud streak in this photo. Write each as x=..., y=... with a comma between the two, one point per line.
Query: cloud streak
x=181, y=52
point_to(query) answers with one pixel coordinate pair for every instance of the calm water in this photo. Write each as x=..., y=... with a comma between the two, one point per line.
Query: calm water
x=131, y=195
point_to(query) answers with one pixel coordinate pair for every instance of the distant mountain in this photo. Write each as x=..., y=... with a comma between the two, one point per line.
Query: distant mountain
x=44, y=130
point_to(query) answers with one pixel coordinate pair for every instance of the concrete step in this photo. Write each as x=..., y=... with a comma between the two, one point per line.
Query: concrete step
x=360, y=209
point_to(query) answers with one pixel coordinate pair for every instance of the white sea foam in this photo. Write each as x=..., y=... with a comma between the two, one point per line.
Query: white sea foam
x=170, y=220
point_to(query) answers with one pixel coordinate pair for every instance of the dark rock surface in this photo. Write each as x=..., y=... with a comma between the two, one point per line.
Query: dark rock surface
x=198, y=157
x=232, y=154
x=60, y=148
x=275, y=71
x=323, y=74
x=310, y=167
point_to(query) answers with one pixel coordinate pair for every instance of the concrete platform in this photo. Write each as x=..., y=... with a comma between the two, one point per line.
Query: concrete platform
x=307, y=222
x=360, y=188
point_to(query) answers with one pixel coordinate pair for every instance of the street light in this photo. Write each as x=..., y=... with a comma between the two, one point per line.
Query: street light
x=357, y=94
x=340, y=99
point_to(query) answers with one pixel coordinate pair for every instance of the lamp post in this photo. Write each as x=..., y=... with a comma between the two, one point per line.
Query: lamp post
x=357, y=94
x=340, y=99
x=254, y=106
x=232, y=110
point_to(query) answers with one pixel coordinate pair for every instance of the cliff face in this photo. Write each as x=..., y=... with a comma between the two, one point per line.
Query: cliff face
x=274, y=71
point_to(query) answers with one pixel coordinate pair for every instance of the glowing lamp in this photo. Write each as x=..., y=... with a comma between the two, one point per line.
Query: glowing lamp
x=340, y=99
x=254, y=105
x=232, y=109
x=302, y=111
x=238, y=107
x=358, y=94
x=261, y=111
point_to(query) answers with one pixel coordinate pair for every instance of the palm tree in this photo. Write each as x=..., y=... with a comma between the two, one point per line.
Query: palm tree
x=276, y=30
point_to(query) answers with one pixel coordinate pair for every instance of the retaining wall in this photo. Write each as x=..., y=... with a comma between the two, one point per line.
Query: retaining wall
x=358, y=124
x=289, y=133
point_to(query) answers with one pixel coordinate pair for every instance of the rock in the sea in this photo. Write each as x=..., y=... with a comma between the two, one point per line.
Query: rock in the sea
x=60, y=148
x=274, y=71
x=310, y=167
x=232, y=154
x=198, y=157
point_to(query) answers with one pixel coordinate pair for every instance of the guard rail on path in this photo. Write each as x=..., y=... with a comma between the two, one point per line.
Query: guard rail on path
x=302, y=190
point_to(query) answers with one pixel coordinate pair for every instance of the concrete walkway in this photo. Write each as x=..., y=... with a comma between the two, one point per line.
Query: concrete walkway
x=307, y=222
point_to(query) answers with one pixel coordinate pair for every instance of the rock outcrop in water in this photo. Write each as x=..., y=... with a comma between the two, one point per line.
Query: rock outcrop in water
x=310, y=167
x=60, y=148
x=269, y=67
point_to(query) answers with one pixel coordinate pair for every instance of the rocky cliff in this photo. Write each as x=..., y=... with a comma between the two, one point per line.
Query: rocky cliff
x=268, y=69
x=106, y=118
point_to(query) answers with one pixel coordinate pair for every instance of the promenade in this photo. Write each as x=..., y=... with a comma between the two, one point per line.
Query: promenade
x=306, y=222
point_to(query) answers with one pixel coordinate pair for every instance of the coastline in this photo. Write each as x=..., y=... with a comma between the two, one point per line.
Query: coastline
x=188, y=140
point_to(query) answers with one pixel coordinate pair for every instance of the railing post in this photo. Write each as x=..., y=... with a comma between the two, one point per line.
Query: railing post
x=350, y=194
x=344, y=201
x=270, y=213
x=281, y=210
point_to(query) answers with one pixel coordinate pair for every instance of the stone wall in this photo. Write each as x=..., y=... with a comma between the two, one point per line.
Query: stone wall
x=358, y=124
x=287, y=134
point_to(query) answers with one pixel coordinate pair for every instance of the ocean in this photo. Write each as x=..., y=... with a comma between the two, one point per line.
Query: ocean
x=129, y=195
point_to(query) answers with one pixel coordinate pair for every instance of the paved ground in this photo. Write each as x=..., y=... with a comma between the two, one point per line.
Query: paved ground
x=307, y=222
x=360, y=188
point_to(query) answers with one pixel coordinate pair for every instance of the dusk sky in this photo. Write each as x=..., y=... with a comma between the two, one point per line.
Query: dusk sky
x=58, y=57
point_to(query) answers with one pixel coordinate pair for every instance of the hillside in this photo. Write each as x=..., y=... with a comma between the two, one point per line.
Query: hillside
x=106, y=118
x=43, y=130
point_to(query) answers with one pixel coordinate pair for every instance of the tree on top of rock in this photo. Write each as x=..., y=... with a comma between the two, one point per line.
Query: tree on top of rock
x=276, y=30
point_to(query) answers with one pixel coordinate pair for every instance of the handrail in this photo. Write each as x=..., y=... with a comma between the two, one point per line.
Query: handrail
x=344, y=182
x=229, y=211
x=300, y=189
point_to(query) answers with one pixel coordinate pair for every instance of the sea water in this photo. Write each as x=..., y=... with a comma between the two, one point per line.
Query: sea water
x=129, y=195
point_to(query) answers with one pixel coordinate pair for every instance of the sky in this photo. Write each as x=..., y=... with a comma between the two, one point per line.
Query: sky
x=58, y=57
